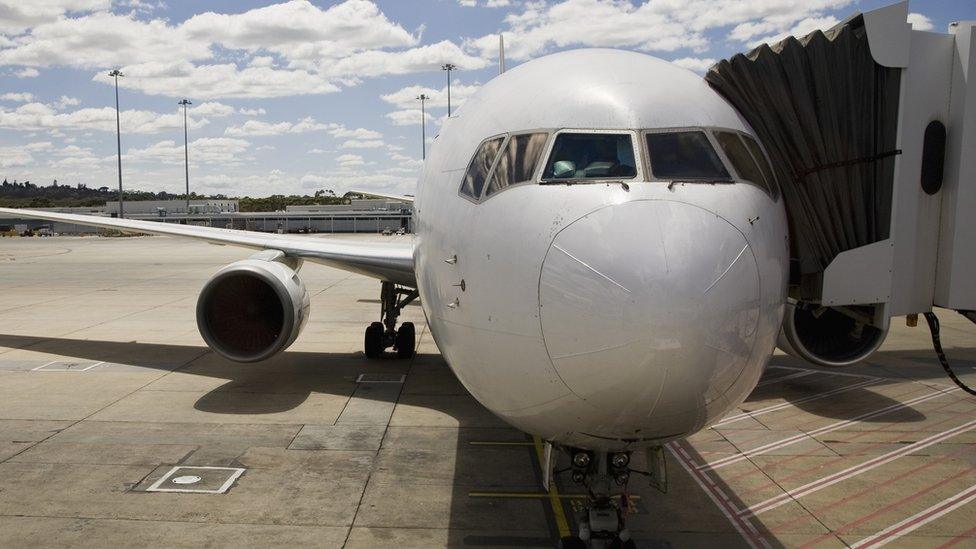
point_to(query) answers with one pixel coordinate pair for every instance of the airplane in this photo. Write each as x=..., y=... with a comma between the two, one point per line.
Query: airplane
x=602, y=253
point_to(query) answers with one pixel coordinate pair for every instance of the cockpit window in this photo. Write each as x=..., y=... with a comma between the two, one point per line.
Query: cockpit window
x=741, y=160
x=517, y=164
x=684, y=155
x=591, y=156
x=763, y=162
x=474, y=178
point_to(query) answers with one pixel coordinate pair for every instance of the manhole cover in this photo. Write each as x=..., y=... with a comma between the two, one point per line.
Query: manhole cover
x=381, y=378
x=187, y=479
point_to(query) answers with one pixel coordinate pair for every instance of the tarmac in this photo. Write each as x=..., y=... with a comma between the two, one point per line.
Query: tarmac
x=119, y=428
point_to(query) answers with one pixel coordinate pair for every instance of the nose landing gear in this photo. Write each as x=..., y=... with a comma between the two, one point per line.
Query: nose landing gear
x=602, y=523
x=384, y=334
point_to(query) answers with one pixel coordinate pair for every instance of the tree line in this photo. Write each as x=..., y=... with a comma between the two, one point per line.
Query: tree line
x=29, y=195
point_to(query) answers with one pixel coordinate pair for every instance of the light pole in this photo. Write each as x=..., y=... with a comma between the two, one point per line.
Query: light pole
x=423, y=126
x=449, y=67
x=116, y=73
x=186, y=157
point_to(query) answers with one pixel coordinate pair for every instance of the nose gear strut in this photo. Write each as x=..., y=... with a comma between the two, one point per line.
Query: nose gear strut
x=602, y=523
x=384, y=334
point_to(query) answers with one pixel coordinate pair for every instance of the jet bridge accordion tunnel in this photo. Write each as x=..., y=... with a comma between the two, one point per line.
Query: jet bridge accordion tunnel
x=871, y=129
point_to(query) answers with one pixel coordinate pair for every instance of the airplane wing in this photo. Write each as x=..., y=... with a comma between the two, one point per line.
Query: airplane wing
x=389, y=261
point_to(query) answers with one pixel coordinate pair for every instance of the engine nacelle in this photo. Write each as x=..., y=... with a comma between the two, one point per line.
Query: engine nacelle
x=828, y=337
x=253, y=309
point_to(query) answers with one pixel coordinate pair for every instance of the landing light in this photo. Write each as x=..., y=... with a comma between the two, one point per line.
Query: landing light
x=619, y=461
x=581, y=459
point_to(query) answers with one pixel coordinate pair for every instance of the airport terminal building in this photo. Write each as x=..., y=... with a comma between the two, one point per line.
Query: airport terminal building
x=359, y=216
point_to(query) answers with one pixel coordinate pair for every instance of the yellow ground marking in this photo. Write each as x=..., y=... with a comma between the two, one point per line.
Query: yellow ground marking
x=499, y=443
x=554, y=500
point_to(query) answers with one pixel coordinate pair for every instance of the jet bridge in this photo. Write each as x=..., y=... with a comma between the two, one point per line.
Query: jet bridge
x=871, y=127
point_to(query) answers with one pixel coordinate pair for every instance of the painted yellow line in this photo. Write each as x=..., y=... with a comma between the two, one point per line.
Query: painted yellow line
x=554, y=501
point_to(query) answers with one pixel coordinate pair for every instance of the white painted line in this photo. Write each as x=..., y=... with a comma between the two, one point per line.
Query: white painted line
x=845, y=374
x=766, y=448
x=235, y=474
x=816, y=396
x=855, y=470
x=44, y=367
x=794, y=375
x=742, y=525
x=918, y=520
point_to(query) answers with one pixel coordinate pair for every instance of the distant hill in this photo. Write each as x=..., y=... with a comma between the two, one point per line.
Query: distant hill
x=29, y=195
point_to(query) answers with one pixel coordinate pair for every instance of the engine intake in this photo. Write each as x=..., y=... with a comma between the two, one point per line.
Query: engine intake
x=828, y=337
x=253, y=309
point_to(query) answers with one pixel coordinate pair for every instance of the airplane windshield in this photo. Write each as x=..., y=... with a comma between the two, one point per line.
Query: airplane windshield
x=591, y=156
x=684, y=155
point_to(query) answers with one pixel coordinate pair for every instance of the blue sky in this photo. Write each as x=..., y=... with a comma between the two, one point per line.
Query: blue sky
x=293, y=97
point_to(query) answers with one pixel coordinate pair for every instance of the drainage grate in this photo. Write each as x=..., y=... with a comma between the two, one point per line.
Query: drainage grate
x=197, y=480
x=67, y=366
x=381, y=378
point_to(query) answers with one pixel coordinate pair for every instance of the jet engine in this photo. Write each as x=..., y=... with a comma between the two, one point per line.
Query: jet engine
x=253, y=309
x=829, y=336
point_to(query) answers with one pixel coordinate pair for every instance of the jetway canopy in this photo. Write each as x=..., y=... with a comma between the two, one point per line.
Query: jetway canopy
x=871, y=127
x=828, y=115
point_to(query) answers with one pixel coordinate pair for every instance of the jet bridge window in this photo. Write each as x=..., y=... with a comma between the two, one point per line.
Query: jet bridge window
x=517, y=164
x=591, y=156
x=484, y=158
x=741, y=159
x=684, y=155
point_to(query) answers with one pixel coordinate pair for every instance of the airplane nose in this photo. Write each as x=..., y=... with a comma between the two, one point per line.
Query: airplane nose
x=649, y=310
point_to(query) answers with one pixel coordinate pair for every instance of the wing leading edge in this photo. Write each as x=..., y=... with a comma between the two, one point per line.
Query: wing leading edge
x=390, y=261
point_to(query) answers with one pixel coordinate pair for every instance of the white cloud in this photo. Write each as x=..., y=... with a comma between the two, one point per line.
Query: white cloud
x=219, y=80
x=37, y=116
x=212, y=109
x=260, y=128
x=101, y=40
x=920, y=22
x=301, y=31
x=339, y=130
x=802, y=28
x=15, y=157
x=64, y=101
x=252, y=112
x=361, y=144
x=349, y=160
x=28, y=72
x=206, y=150
x=420, y=59
x=18, y=97
x=696, y=64
x=20, y=15
x=407, y=117
x=406, y=98
x=658, y=26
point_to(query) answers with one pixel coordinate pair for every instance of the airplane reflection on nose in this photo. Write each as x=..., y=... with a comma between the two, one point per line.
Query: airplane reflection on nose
x=649, y=309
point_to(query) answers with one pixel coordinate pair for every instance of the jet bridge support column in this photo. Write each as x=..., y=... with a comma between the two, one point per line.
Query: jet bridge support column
x=955, y=286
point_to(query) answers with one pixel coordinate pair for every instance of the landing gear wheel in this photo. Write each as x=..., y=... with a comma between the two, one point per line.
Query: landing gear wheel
x=373, y=342
x=406, y=340
x=572, y=542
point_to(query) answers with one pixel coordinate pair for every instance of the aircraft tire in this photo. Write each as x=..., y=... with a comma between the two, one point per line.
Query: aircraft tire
x=373, y=342
x=406, y=340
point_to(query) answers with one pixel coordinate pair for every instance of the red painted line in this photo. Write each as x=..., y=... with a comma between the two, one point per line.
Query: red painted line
x=968, y=534
x=836, y=504
x=855, y=470
x=919, y=519
x=769, y=447
x=885, y=509
x=816, y=420
x=858, y=435
x=743, y=526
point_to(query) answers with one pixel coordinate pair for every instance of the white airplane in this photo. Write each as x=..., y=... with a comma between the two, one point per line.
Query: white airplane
x=601, y=251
